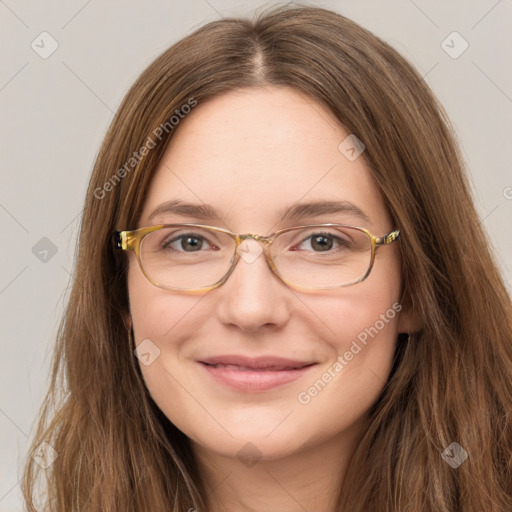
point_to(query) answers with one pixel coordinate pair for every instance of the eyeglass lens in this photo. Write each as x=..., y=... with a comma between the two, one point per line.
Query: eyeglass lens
x=186, y=257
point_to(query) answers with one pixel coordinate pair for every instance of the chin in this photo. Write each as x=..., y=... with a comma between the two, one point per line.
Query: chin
x=270, y=442
x=251, y=450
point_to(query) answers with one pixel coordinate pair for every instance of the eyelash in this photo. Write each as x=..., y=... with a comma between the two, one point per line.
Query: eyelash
x=341, y=242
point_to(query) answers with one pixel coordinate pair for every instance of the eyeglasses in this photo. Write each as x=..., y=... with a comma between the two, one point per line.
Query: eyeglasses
x=197, y=258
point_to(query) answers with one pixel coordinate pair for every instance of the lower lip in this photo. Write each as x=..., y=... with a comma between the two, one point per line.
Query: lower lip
x=254, y=381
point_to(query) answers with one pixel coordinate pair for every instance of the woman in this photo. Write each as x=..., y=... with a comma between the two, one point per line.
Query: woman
x=359, y=361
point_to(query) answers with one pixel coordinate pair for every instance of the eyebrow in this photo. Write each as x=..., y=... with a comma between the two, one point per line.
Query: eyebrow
x=296, y=212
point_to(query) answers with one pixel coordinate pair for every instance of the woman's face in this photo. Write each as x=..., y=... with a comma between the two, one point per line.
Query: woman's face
x=249, y=154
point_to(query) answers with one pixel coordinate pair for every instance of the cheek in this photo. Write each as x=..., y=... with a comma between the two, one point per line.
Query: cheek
x=156, y=312
x=360, y=327
x=163, y=322
x=368, y=340
x=363, y=311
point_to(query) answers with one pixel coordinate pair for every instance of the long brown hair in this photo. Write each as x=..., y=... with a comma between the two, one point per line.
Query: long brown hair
x=452, y=381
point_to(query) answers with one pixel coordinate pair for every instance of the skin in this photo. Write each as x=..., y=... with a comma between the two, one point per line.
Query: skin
x=248, y=153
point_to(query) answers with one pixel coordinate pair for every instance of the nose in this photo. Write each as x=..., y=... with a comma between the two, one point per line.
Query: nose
x=252, y=296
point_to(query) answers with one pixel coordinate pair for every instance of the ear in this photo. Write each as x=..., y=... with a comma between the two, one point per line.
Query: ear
x=127, y=319
x=409, y=321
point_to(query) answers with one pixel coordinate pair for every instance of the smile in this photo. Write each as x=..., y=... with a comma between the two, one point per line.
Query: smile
x=256, y=376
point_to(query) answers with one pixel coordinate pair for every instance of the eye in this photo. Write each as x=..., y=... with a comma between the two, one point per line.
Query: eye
x=323, y=242
x=186, y=242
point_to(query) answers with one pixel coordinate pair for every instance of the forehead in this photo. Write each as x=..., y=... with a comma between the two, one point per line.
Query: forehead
x=250, y=152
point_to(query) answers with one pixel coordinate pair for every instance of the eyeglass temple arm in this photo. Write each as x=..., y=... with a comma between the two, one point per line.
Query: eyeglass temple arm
x=387, y=239
x=122, y=240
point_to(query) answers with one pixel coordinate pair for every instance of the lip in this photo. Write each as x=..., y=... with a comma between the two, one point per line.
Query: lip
x=254, y=374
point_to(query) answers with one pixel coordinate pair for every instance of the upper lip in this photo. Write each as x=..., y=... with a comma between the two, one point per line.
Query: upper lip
x=270, y=362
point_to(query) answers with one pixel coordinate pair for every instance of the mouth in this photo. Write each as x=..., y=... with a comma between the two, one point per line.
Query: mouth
x=252, y=369
x=254, y=375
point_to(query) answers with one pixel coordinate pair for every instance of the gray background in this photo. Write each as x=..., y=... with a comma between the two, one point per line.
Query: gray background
x=56, y=111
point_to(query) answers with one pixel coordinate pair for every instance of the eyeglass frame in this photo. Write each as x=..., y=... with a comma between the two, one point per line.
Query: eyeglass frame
x=131, y=240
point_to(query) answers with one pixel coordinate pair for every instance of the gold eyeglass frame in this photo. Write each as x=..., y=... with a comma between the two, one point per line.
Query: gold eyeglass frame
x=131, y=240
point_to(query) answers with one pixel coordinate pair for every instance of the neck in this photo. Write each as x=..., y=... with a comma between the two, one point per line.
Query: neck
x=309, y=479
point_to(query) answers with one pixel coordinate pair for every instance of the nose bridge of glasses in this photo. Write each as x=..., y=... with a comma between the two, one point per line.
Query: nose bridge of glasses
x=248, y=254
x=255, y=236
